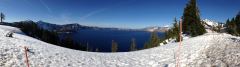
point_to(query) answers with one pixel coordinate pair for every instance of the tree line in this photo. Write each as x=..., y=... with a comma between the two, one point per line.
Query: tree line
x=132, y=47
x=31, y=29
x=233, y=25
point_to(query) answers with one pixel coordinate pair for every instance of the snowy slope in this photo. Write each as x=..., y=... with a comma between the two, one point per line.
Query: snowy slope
x=208, y=49
x=10, y=29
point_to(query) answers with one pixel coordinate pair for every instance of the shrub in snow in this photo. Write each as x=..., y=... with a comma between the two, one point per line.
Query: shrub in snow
x=114, y=46
x=133, y=45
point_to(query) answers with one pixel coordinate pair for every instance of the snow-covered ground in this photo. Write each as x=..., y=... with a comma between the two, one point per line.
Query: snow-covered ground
x=210, y=49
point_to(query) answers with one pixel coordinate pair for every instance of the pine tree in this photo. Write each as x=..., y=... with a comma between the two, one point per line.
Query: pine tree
x=154, y=40
x=114, y=46
x=2, y=16
x=237, y=20
x=68, y=41
x=146, y=45
x=191, y=20
x=228, y=26
x=233, y=26
x=133, y=45
x=173, y=32
x=176, y=30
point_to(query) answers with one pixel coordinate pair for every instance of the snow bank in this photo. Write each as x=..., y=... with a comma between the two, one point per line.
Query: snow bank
x=223, y=52
x=195, y=51
x=10, y=29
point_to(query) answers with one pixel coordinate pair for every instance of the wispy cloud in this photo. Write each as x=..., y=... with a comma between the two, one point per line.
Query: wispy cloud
x=106, y=8
x=92, y=13
x=46, y=6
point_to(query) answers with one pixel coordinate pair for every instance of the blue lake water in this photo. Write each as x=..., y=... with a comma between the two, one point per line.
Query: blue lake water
x=102, y=39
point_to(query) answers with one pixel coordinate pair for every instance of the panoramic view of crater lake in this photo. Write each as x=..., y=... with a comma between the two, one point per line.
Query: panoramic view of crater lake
x=119, y=33
x=102, y=39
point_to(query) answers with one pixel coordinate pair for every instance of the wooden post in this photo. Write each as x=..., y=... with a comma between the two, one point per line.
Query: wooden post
x=26, y=55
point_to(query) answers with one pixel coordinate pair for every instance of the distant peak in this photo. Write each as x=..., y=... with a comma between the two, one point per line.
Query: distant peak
x=40, y=21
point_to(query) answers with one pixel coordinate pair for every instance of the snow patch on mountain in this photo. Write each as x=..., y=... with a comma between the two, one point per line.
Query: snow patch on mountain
x=211, y=22
x=156, y=28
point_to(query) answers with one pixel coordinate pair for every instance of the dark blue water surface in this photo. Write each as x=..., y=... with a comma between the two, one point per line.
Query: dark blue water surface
x=102, y=39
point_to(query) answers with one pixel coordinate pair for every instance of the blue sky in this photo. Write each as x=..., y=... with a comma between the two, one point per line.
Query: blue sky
x=113, y=13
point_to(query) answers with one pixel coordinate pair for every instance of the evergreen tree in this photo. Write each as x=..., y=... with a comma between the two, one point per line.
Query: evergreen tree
x=146, y=45
x=133, y=45
x=2, y=16
x=87, y=47
x=168, y=34
x=233, y=25
x=191, y=20
x=228, y=26
x=173, y=32
x=68, y=41
x=153, y=42
x=237, y=20
x=176, y=30
x=114, y=46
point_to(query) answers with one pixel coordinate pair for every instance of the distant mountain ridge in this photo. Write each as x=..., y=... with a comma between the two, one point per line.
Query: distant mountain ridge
x=157, y=29
x=62, y=28
x=75, y=27
x=47, y=26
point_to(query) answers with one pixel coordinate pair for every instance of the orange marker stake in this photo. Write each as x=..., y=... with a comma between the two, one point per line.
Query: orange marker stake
x=180, y=44
x=27, y=62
